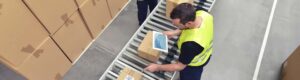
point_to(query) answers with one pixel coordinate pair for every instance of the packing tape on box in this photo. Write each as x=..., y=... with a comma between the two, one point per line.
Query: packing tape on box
x=94, y=2
x=67, y=20
x=37, y=53
x=64, y=17
x=28, y=49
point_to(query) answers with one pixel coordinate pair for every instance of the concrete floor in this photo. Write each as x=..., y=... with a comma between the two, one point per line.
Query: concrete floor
x=102, y=52
x=283, y=39
x=8, y=74
x=238, y=34
x=239, y=30
x=240, y=26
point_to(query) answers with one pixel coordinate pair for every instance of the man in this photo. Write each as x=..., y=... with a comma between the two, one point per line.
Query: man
x=142, y=6
x=195, y=42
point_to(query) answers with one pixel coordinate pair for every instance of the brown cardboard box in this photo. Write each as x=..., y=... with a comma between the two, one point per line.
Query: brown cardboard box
x=96, y=15
x=171, y=4
x=146, y=50
x=46, y=63
x=115, y=6
x=128, y=74
x=52, y=13
x=20, y=32
x=291, y=67
x=73, y=37
x=80, y=3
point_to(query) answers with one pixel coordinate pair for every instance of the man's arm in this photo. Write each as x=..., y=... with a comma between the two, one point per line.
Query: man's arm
x=173, y=33
x=189, y=50
x=165, y=67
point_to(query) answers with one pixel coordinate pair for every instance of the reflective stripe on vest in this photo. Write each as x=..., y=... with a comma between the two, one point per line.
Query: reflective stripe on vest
x=202, y=35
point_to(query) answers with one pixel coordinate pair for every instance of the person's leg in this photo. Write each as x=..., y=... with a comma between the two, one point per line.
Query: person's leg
x=202, y=0
x=200, y=5
x=142, y=10
x=191, y=73
x=152, y=4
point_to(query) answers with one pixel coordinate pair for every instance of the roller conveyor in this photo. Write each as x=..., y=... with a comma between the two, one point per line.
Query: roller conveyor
x=128, y=57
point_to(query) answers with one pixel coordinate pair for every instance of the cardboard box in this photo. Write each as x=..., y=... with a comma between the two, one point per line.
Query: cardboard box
x=47, y=63
x=20, y=32
x=129, y=74
x=115, y=6
x=52, y=13
x=171, y=4
x=291, y=67
x=73, y=37
x=96, y=15
x=80, y=3
x=145, y=50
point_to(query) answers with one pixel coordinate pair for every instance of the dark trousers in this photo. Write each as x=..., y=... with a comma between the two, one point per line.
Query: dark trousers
x=192, y=73
x=199, y=7
x=142, y=6
x=202, y=0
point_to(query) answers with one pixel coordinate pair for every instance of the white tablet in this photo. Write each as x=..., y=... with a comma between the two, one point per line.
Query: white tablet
x=160, y=41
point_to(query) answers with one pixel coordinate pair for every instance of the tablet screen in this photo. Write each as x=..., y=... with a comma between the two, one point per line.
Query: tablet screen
x=160, y=41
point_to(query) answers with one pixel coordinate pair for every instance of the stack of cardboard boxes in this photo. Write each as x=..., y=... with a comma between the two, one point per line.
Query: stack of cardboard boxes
x=96, y=15
x=291, y=67
x=42, y=38
x=26, y=46
x=115, y=6
x=47, y=62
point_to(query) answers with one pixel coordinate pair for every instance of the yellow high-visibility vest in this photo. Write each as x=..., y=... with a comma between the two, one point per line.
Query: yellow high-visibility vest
x=202, y=35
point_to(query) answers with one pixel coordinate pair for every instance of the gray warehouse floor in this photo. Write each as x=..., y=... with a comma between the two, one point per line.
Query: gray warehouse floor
x=240, y=27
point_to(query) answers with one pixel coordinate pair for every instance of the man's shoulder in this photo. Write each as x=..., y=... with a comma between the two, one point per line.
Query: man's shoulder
x=202, y=12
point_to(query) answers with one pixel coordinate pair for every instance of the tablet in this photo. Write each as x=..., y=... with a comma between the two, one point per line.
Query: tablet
x=160, y=41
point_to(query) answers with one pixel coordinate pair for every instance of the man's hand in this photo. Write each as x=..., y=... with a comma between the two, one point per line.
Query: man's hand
x=168, y=33
x=165, y=67
x=152, y=67
x=173, y=33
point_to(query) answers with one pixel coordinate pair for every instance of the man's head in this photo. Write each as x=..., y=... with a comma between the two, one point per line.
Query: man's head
x=183, y=15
